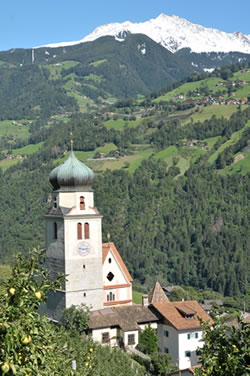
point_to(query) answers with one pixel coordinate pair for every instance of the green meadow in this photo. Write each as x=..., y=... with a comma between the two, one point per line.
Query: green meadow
x=9, y=128
x=7, y=163
x=28, y=149
x=137, y=297
x=233, y=139
x=55, y=69
x=98, y=62
x=242, y=166
x=206, y=112
x=190, y=86
x=120, y=123
x=243, y=75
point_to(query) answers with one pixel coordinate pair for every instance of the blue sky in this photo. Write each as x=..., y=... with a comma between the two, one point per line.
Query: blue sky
x=30, y=23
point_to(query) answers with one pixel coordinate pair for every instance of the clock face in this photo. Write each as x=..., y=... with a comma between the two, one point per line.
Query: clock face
x=83, y=249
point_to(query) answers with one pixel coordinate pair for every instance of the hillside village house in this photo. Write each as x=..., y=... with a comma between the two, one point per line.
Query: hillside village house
x=98, y=277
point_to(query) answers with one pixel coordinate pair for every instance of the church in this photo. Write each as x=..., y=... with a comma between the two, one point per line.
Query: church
x=96, y=273
x=97, y=276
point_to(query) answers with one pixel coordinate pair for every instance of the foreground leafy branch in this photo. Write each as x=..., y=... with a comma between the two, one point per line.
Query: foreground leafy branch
x=225, y=353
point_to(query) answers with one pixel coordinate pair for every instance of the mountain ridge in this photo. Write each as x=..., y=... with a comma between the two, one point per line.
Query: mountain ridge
x=173, y=33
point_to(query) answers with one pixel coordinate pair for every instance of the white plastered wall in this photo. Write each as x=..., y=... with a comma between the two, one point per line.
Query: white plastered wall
x=72, y=200
x=136, y=337
x=118, y=285
x=191, y=345
x=113, y=335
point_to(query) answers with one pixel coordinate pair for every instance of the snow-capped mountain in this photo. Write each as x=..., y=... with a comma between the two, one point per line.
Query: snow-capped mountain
x=173, y=33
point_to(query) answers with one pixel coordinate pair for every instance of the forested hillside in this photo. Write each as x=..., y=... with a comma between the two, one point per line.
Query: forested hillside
x=105, y=68
x=184, y=226
x=172, y=169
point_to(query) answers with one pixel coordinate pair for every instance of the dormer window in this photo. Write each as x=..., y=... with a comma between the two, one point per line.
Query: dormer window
x=79, y=231
x=82, y=203
x=186, y=313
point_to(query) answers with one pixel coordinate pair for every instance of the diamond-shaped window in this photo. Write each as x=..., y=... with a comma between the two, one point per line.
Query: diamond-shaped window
x=110, y=276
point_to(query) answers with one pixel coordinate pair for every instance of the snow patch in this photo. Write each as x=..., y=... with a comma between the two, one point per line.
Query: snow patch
x=142, y=48
x=210, y=70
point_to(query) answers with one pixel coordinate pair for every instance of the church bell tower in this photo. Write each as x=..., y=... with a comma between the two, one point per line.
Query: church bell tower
x=74, y=238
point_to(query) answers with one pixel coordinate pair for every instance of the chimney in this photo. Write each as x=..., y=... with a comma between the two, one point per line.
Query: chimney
x=145, y=300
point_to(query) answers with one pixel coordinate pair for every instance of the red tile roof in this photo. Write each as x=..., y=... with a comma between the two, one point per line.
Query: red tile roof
x=175, y=314
x=106, y=247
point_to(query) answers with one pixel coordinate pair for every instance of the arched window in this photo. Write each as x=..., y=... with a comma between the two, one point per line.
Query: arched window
x=55, y=230
x=79, y=231
x=82, y=203
x=86, y=230
x=54, y=204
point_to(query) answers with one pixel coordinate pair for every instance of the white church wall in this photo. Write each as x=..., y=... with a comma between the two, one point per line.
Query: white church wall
x=111, y=265
x=72, y=199
x=119, y=294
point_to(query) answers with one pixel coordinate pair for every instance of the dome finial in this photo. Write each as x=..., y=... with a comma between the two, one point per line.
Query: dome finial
x=71, y=141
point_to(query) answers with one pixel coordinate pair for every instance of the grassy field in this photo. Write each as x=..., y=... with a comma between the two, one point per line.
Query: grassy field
x=55, y=70
x=107, y=148
x=243, y=92
x=137, y=297
x=242, y=166
x=7, y=163
x=98, y=62
x=83, y=102
x=211, y=84
x=8, y=127
x=211, y=141
x=167, y=153
x=28, y=149
x=184, y=156
x=93, y=77
x=190, y=86
x=242, y=75
x=206, y=112
x=233, y=139
x=129, y=162
x=120, y=123
x=5, y=272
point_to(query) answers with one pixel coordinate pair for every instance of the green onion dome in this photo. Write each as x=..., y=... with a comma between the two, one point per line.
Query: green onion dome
x=70, y=175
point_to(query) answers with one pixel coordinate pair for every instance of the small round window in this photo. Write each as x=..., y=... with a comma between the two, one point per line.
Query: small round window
x=110, y=260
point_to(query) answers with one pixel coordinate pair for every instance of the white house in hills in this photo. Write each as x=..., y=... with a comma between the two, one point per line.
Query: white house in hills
x=180, y=332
